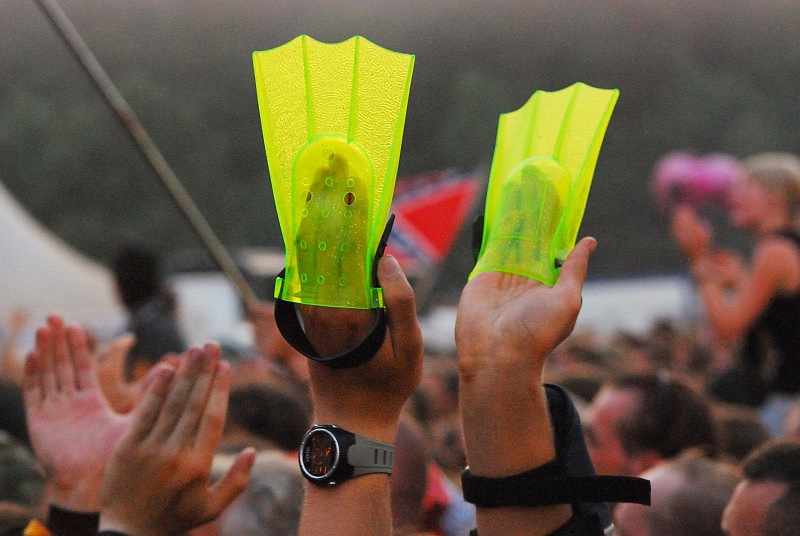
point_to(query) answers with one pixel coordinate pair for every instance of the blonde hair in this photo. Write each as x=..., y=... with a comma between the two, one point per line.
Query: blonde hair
x=779, y=173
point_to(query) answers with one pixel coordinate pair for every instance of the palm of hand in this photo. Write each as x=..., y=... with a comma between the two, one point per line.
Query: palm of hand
x=505, y=319
x=504, y=315
x=73, y=435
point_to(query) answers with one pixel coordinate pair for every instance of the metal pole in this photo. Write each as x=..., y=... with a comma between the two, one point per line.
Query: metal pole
x=145, y=143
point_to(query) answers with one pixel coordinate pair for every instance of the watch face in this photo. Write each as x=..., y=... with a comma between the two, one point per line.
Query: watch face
x=320, y=454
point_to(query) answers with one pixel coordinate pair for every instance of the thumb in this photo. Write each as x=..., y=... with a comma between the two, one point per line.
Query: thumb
x=227, y=488
x=574, y=269
x=401, y=306
x=117, y=349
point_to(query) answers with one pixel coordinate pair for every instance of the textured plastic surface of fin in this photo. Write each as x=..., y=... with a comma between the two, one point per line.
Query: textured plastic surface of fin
x=332, y=116
x=544, y=161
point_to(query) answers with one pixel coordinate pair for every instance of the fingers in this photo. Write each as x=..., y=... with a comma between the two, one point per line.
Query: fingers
x=31, y=384
x=59, y=362
x=114, y=354
x=60, y=354
x=402, y=310
x=210, y=429
x=83, y=361
x=193, y=367
x=200, y=405
x=157, y=387
x=185, y=406
x=46, y=374
x=226, y=489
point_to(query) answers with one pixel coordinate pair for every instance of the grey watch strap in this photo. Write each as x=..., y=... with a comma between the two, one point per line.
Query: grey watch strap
x=368, y=456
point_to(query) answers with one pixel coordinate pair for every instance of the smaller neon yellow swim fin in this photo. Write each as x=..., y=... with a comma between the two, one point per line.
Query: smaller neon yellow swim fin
x=332, y=116
x=543, y=164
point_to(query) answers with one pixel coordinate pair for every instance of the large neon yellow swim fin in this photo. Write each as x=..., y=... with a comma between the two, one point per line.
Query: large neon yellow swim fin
x=332, y=117
x=544, y=160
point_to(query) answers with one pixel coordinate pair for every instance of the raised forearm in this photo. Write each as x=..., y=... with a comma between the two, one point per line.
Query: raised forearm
x=506, y=434
x=358, y=506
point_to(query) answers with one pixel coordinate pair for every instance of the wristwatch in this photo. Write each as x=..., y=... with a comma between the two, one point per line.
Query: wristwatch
x=330, y=454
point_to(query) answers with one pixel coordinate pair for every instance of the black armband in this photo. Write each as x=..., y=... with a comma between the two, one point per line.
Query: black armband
x=544, y=488
x=63, y=522
x=568, y=479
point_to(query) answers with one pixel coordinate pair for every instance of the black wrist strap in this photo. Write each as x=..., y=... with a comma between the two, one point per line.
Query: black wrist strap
x=288, y=321
x=569, y=479
x=111, y=533
x=63, y=522
x=532, y=489
x=286, y=316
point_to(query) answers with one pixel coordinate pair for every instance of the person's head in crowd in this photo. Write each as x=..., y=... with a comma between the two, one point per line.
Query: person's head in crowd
x=137, y=275
x=288, y=364
x=21, y=478
x=264, y=417
x=775, y=174
x=14, y=518
x=767, y=500
x=582, y=380
x=740, y=430
x=638, y=354
x=688, y=495
x=151, y=306
x=269, y=506
x=638, y=420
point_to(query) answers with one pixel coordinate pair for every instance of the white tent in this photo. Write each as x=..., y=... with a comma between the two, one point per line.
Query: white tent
x=40, y=274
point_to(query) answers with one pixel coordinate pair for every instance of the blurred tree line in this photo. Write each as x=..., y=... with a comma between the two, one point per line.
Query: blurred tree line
x=699, y=75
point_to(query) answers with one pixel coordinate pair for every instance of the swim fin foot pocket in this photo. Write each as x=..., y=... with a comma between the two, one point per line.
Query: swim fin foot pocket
x=287, y=317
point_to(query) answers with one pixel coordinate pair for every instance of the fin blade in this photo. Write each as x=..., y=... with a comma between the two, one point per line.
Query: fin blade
x=544, y=161
x=333, y=118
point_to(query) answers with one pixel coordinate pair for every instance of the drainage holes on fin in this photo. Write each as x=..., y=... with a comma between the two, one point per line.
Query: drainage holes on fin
x=325, y=213
x=349, y=198
x=351, y=182
x=347, y=213
x=321, y=279
x=329, y=181
x=344, y=248
x=342, y=282
x=303, y=244
x=308, y=196
x=303, y=278
x=322, y=246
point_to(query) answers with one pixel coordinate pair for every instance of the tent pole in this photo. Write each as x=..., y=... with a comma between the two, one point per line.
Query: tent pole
x=145, y=143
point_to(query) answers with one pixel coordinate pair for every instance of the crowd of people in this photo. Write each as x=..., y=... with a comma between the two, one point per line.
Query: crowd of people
x=514, y=434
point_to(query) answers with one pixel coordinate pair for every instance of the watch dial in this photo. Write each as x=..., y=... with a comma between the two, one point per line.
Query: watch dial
x=319, y=455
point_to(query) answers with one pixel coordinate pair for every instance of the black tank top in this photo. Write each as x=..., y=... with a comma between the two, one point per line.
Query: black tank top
x=774, y=341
